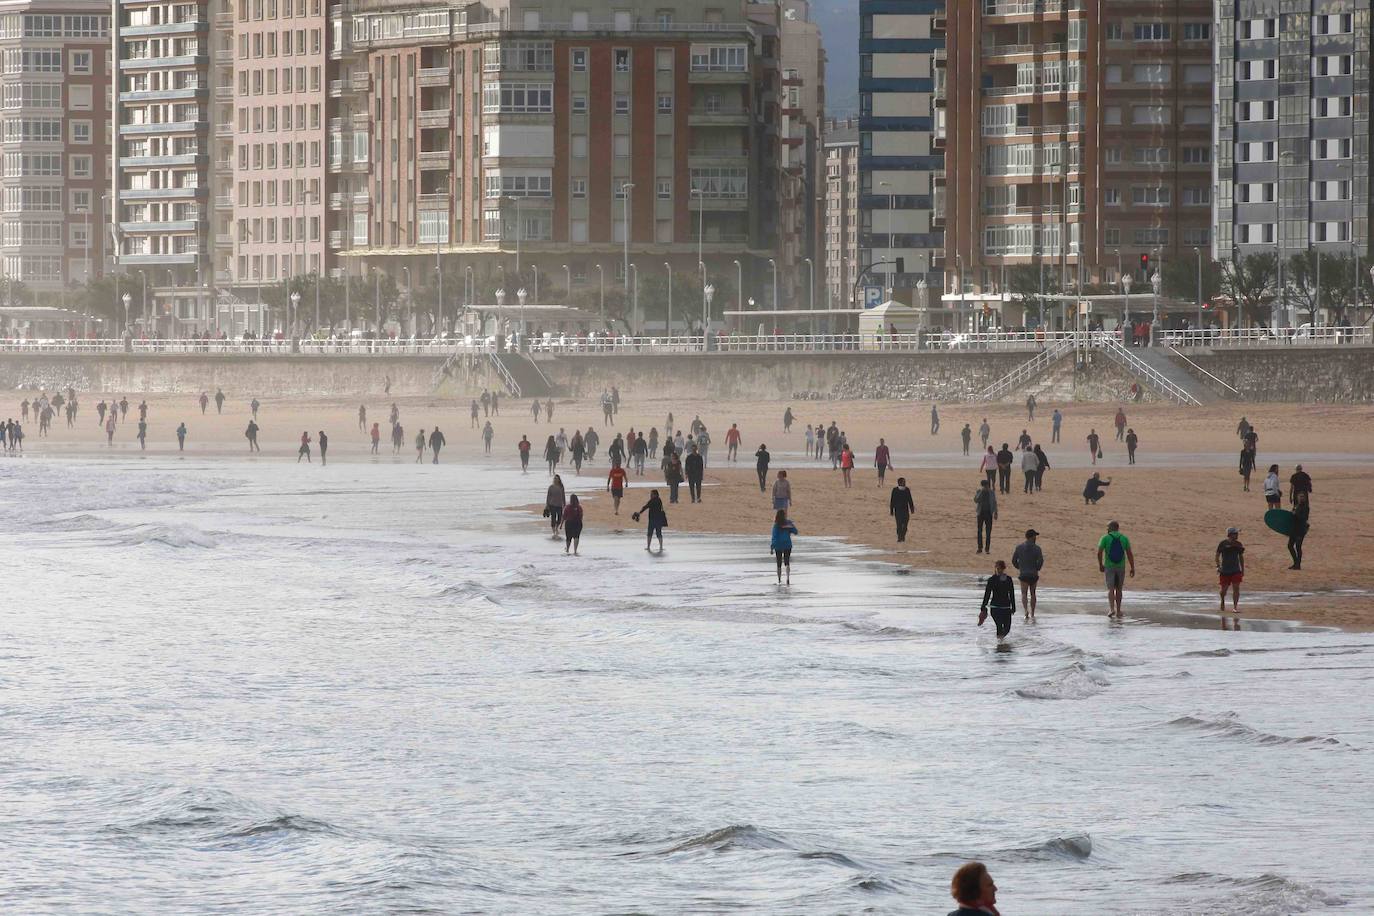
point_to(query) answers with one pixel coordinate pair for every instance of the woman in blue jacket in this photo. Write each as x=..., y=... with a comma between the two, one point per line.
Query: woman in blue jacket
x=781, y=544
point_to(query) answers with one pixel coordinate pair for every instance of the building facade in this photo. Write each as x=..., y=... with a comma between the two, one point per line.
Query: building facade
x=841, y=229
x=1293, y=127
x=802, y=130
x=1077, y=140
x=899, y=42
x=55, y=117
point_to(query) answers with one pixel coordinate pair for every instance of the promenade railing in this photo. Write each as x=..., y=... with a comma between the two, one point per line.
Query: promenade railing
x=1265, y=337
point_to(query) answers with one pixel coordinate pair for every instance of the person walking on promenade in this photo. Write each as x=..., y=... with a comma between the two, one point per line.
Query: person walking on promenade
x=988, y=466
x=1231, y=570
x=304, y=450
x=1056, y=420
x=1030, y=464
x=1247, y=467
x=974, y=890
x=1113, y=553
x=900, y=506
x=847, y=465
x=1092, y=490
x=204, y=403
x=1301, y=512
x=436, y=443
x=652, y=512
x=882, y=458
x=672, y=475
x=488, y=433
x=1273, y=490
x=324, y=449
x=572, y=525
x=984, y=432
x=1300, y=482
x=695, y=466
x=1030, y=408
x=219, y=400
x=985, y=507
x=1120, y=423
x=782, y=492
x=554, y=501
x=934, y=420
x=1028, y=559
x=1004, y=462
x=615, y=483
x=551, y=455
x=362, y=416
x=251, y=433
x=376, y=436
x=999, y=595
x=966, y=436
x=124, y=408
x=761, y=459
x=181, y=438
x=732, y=438
x=780, y=543
x=1132, y=440
x=523, y=447
x=1042, y=464
x=1094, y=445
x=420, y=442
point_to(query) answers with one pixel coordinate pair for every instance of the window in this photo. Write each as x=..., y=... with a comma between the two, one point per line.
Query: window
x=621, y=56
x=1151, y=31
x=719, y=57
x=664, y=187
x=81, y=166
x=1150, y=155
x=722, y=183
x=1256, y=151
x=1111, y=155
x=1250, y=29
x=1255, y=192
x=579, y=60
x=579, y=188
x=1152, y=73
x=1331, y=190
x=1331, y=107
x=1150, y=114
x=517, y=97
x=1111, y=197
x=1255, y=233
x=527, y=56
x=579, y=146
x=1333, y=24
x=1197, y=196
x=81, y=62
x=1111, y=31
x=1257, y=111
x=579, y=230
x=622, y=146
x=1331, y=65
x=81, y=201
x=1151, y=237
x=1111, y=237
x=665, y=103
x=79, y=97
x=80, y=131
x=1150, y=196
x=1257, y=69
x=1197, y=73
x=663, y=60
x=1197, y=31
x=519, y=185
x=1111, y=114
x=579, y=103
x=1334, y=148
x=1197, y=236
x=1197, y=155
x=1113, y=73
x=622, y=103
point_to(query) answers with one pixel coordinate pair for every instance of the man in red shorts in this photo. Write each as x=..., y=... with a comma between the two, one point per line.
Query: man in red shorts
x=1231, y=569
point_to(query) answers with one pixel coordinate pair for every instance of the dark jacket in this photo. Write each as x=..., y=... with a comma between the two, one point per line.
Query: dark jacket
x=1000, y=592
x=696, y=468
x=1005, y=458
x=985, y=501
x=900, y=503
x=654, y=509
x=1028, y=558
x=763, y=458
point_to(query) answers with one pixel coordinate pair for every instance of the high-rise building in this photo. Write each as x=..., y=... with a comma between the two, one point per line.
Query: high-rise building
x=898, y=44
x=564, y=146
x=803, y=120
x=841, y=210
x=1293, y=127
x=56, y=57
x=1076, y=139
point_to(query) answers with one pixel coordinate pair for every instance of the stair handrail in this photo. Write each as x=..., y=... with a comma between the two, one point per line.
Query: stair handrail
x=1121, y=354
x=548, y=383
x=1026, y=369
x=504, y=374
x=1182, y=356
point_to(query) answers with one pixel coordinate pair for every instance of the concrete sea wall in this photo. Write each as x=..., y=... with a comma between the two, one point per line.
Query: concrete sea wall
x=1323, y=375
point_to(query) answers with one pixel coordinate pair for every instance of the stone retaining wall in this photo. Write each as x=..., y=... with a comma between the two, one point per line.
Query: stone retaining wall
x=1327, y=375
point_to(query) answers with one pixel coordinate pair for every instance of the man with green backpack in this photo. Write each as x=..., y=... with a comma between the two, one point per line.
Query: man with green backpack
x=1113, y=553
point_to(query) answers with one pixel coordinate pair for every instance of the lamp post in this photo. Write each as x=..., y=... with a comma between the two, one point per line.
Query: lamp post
x=701, y=237
x=144, y=274
x=534, y=269
x=567, y=288
x=709, y=292
x=127, y=299
x=500, y=315
x=1198, y=253
x=521, y=294
x=1155, y=282
x=469, y=284
x=439, y=269
x=377, y=298
x=739, y=286
x=634, y=300
x=295, y=310
x=410, y=296
x=890, y=201
x=774, y=265
x=811, y=292
x=669, y=268
x=1126, y=309
x=601, y=282
x=626, y=188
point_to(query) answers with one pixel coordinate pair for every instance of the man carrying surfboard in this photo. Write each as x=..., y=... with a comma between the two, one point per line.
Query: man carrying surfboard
x=1113, y=552
x=1230, y=559
x=1300, y=482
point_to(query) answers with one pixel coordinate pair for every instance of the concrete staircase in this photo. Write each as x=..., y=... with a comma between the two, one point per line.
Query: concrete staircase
x=1017, y=379
x=1153, y=367
x=521, y=376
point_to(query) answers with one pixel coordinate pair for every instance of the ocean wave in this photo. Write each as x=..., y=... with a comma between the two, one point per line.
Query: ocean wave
x=178, y=536
x=213, y=817
x=1074, y=847
x=1076, y=682
x=1262, y=895
x=727, y=839
x=1227, y=726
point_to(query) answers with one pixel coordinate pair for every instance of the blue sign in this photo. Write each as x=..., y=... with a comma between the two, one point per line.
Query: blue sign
x=873, y=296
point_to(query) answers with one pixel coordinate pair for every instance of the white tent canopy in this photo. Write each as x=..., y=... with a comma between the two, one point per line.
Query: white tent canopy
x=885, y=319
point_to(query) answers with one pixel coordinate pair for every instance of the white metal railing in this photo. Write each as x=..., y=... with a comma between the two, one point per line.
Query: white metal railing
x=1116, y=351
x=1267, y=337
x=334, y=346
x=1029, y=369
x=503, y=373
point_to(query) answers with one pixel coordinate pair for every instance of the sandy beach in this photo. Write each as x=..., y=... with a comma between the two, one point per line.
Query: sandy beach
x=1174, y=504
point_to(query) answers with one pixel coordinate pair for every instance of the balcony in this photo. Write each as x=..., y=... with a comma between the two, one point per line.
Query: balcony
x=712, y=156
x=361, y=119
x=337, y=201
x=435, y=117
x=336, y=239
x=1015, y=130
x=187, y=27
x=993, y=92
x=718, y=204
x=162, y=161
x=224, y=93
x=434, y=76
x=155, y=260
x=224, y=240
x=168, y=127
x=702, y=116
x=717, y=77
x=435, y=159
x=1029, y=7
x=159, y=193
x=162, y=95
x=224, y=200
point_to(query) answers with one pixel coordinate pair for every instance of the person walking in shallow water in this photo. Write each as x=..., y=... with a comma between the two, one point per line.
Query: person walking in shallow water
x=780, y=543
x=181, y=438
x=999, y=597
x=1231, y=570
x=304, y=450
x=554, y=501
x=324, y=449
x=436, y=444
x=1028, y=559
x=653, y=513
x=1113, y=553
x=572, y=525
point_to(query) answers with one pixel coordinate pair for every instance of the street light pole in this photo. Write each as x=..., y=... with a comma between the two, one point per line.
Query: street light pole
x=669, y=268
x=626, y=188
x=1198, y=252
x=774, y=264
x=709, y=292
x=811, y=294
x=567, y=289
x=601, y=282
x=739, y=286
x=1126, y=314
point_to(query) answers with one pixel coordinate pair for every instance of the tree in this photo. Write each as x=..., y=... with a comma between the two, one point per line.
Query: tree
x=1336, y=290
x=688, y=300
x=1249, y=283
x=1027, y=282
x=1181, y=280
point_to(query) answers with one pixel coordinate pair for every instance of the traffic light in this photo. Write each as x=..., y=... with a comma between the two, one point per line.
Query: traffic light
x=1145, y=265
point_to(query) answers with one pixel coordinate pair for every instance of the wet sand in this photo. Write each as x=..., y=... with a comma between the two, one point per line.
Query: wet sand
x=1175, y=504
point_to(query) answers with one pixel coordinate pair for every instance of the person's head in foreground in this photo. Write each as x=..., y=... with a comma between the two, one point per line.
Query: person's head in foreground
x=1113, y=526
x=973, y=889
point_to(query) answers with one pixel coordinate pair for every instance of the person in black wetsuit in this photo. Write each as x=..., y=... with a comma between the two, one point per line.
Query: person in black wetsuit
x=1301, y=513
x=999, y=597
x=900, y=505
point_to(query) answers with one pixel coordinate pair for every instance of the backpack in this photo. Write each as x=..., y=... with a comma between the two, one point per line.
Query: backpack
x=1115, y=552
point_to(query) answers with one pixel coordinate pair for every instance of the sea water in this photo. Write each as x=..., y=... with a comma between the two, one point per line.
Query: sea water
x=268, y=687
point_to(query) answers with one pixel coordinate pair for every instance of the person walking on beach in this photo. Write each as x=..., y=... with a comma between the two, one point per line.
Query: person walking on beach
x=473, y=413
x=420, y=441
x=1004, y=462
x=1056, y=420
x=1092, y=490
x=535, y=408
x=900, y=506
x=732, y=438
x=672, y=475
x=1273, y=490
x=985, y=507
x=572, y=525
x=780, y=543
x=204, y=403
x=1296, y=534
x=782, y=492
x=253, y=405
x=488, y=434
x=486, y=402
x=496, y=403
x=999, y=595
x=1300, y=482
x=1028, y=559
x=376, y=436
x=1247, y=467
x=847, y=465
x=143, y=435
x=966, y=436
x=638, y=450
x=881, y=459
x=100, y=413
x=1094, y=445
x=787, y=418
x=554, y=501
x=606, y=407
x=362, y=416
x=304, y=450
x=1120, y=423
x=591, y=440
x=398, y=433
x=934, y=420
x=436, y=443
x=181, y=437
x=551, y=455
x=1242, y=429
x=1042, y=464
x=695, y=467
x=523, y=447
x=1231, y=570
x=219, y=400
x=251, y=433
x=615, y=483
x=988, y=466
x=548, y=410
x=110, y=430
x=1023, y=441
x=123, y=408
x=1132, y=440
x=984, y=431
x=577, y=450
x=324, y=449
x=1113, y=553
x=652, y=512
x=1030, y=408
x=1030, y=464
x=974, y=890
x=761, y=459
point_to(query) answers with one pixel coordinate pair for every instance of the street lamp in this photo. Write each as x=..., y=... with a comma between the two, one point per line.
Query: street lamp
x=626, y=188
x=469, y=285
x=295, y=310
x=811, y=293
x=1155, y=282
x=500, y=311
x=601, y=282
x=709, y=292
x=127, y=299
x=669, y=268
x=534, y=269
x=567, y=289
x=1198, y=253
x=521, y=294
x=1126, y=313
x=410, y=297
x=774, y=264
x=634, y=300
x=739, y=286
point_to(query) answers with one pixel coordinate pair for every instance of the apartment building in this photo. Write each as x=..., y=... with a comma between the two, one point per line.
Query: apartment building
x=1293, y=127
x=523, y=138
x=1076, y=138
x=801, y=130
x=899, y=41
x=55, y=115
x=841, y=229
